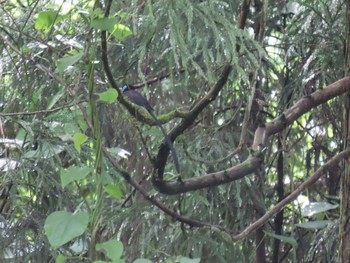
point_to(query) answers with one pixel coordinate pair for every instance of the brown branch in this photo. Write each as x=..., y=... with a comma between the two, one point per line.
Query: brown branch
x=188, y=120
x=153, y=200
x=260, y=139
x=104, y=50
x=243, y=14
x=212, y=179
x=321, y=171
x=301, y=107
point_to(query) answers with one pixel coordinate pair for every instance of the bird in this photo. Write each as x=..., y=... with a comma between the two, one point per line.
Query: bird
x=137, y=98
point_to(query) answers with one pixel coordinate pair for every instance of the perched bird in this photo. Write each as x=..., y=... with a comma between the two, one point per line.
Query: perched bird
x=138, y=99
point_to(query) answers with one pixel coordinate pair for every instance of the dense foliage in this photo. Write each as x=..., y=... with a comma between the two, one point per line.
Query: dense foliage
x=62, y=198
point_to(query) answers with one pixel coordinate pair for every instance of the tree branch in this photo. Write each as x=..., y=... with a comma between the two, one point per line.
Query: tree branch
x=153, y=200
x=321, y=171
x=261, y=136
x=212, y=179
x=189, y=118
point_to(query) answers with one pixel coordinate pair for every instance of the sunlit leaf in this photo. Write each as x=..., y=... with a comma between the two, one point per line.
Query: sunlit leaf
x=79, y=139
x=112, y=248
x=114, y=190
x=46, y=19
x=121, y=32
x=108, y=96
x=61, y=259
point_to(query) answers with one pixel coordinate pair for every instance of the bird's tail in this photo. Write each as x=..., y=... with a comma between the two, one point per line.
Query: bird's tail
x=170, y=144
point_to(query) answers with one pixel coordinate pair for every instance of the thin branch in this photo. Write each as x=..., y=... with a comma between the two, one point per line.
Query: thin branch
x=11, y=114
x=212, y=162
x=321, y=171
x=155, y=79
x=155, y=201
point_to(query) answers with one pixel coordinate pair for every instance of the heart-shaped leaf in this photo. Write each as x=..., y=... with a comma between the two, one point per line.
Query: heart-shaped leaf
x=61, y=226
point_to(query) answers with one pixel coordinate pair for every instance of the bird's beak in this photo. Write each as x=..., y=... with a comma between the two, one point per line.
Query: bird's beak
x=123, y=88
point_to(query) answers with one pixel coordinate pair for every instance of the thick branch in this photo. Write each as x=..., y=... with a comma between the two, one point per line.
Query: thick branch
x=305, y=104
x=243, y=14
x=213, y=179
x=260, y=139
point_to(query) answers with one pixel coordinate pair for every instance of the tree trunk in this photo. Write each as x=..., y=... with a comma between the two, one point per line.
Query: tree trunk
x=344, y=228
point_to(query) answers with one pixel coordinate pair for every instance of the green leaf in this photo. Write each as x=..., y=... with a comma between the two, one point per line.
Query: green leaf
x=116, y=151
x=111, y=25
x=121, y=32
x=79, y=139
x=118, y=261
x=317, y=207
x=74, y=173
x=56, y=97
x=112, y=248
x=61, y=259
x=285, y=239
x=314, y=224
x=142, y=260
x=114, y=261
x=46, y=19
x=37, y=93
x=63, y=63
x=45, y=151
x=108, y=96
x=105, y=23
x=189, y=260
x=114, y=190
x=61, y=227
